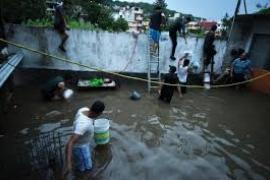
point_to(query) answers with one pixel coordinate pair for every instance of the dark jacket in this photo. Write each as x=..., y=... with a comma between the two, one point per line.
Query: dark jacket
x=178, y=25
x=156, y=20
x=208, y=46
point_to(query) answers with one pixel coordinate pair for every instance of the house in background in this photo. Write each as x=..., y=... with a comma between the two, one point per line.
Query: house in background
x=193, y=25
x=252, y=32
x=206, y=25
x=134, y=16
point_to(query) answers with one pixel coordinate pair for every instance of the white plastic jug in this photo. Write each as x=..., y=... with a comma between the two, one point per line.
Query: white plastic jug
x=206, y=81
x=101, y=131
x=68, y=93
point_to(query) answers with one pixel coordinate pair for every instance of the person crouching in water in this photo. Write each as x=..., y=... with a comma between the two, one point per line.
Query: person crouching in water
x=183, y=67
x=241, y=69
x=60, y=25
x=53, y=90
x=167, y=91
x=78, y=149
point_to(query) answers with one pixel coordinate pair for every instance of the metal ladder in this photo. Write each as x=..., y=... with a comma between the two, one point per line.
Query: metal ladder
x=153, y=66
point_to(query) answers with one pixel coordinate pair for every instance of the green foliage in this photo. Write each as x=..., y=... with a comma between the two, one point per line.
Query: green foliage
x=147, y=8
x=264, y=11
x=38, y=23
x=197, y=33
x=160, y=3
x=74, y=24
x=120, y=25
x=17, y=11
x=227, y=22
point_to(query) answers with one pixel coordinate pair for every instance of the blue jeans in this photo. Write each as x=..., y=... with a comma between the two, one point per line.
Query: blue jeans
x=155, y=35
x=82, y=157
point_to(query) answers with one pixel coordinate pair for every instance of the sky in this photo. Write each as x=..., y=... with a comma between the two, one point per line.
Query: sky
x=210, y=9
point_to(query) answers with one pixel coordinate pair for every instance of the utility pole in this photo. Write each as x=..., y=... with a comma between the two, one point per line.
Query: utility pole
x=245, y=6
x=235, y=14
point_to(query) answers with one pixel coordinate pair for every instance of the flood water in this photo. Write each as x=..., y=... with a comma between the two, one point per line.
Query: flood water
x=218, y=134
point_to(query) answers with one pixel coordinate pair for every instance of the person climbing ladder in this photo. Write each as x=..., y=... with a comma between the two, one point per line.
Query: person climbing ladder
x=156, y=20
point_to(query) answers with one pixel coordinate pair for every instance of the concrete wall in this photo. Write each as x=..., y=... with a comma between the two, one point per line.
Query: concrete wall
x=119, y=52
x=245, y=29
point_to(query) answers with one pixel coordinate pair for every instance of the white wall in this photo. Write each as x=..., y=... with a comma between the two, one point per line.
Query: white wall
x=119, y=52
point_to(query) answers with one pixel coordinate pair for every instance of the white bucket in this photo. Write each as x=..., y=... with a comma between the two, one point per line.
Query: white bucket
x=68, y=93
x=101, y=131
x=206, y=81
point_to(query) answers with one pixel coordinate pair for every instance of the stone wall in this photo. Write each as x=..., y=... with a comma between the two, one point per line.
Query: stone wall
x=119, y=52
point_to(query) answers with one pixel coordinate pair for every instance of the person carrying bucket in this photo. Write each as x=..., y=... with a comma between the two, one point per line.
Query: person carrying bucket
x=78, y=149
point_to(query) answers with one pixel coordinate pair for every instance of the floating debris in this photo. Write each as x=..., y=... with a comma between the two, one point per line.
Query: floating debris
x=49, y=127
x=53, y=114
x=24, y=131
x=135, y=96
x=64, y=121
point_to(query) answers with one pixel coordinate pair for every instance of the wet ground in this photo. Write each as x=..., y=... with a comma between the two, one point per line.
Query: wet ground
x=217, y=134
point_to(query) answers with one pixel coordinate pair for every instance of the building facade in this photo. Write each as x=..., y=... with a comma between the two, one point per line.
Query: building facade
x=134, y=16
x=252, y=33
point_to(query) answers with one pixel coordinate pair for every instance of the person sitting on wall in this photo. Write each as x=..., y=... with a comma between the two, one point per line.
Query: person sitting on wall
x=55, y=87
x=60, y=25
x=167, y=91
x=241, y=69
x=178, y=25
x=78, y=149
x=156, y=20
x=209, y=48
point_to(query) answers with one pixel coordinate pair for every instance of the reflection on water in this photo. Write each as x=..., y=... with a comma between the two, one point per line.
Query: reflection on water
x=193, y=138
x=175, y=147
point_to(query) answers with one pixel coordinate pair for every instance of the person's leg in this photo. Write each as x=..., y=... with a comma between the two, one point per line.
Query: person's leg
x=156, y=40
x=169, y=98
x=78, y=159
x=183, y=88
x=207, y=60
x=87, y=157
x=173, y=37
x=82, y=158
x=64, y=37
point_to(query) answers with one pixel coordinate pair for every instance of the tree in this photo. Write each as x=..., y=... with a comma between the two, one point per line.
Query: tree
x=226, y=21
x=17, y=11
x=161, y=3
x=120, y=25
x=263, y=8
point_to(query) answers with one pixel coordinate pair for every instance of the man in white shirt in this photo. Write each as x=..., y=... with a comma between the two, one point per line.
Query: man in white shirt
x=78, y=148
x=183, y=67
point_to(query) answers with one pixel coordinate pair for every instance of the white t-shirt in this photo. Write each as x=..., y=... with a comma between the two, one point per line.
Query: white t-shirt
x=182, y=73
x=83, y=126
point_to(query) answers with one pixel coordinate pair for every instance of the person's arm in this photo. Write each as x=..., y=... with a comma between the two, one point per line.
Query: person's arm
x=72, y=140
x=183, y=31
x=160, y=85
x=179, y=90
x=250, y=69
x=232, y=68
x=179, y=62
x=177, y=82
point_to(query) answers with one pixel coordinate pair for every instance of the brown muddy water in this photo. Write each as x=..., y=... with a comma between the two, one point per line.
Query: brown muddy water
x=218, y=134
